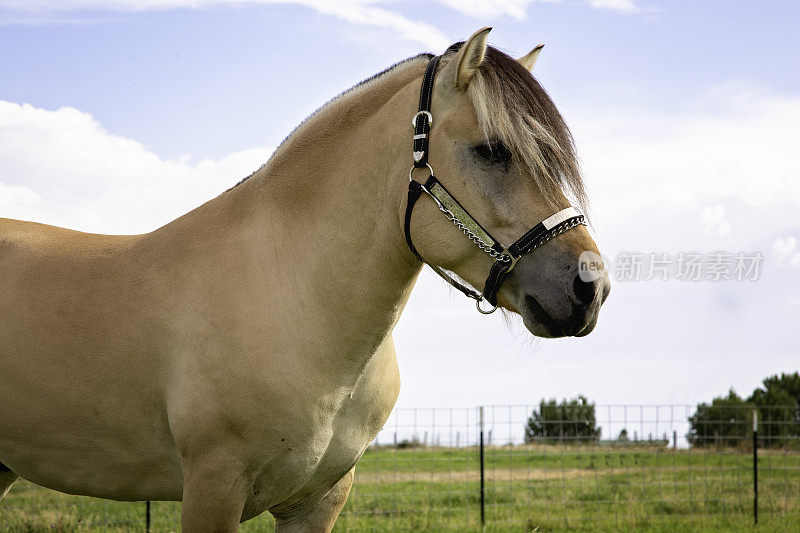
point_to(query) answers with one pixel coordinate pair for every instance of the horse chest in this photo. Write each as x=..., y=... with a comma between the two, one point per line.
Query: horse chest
x=346, y=435
x=304, y=471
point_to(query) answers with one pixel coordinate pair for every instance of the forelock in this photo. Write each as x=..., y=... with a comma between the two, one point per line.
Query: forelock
x=512, y=107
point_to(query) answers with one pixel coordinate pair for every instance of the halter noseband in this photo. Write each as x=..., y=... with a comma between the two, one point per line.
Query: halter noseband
x=505, y=258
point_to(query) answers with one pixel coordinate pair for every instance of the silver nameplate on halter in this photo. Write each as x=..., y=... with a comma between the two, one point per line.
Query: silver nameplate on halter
x=418, y=156
x=554, y=220
x=449, y=203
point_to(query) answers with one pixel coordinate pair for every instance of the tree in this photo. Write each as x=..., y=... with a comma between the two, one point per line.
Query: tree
x=727, y=421
x=778, y=401
x=565, y=421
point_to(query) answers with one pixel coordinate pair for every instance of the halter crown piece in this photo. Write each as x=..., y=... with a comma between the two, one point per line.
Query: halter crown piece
x=505, y=258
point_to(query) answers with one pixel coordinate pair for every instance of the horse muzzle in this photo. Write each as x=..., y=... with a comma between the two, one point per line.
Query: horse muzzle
x=560, y=303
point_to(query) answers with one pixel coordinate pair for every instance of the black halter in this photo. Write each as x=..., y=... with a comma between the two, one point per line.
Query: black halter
x=505, y=258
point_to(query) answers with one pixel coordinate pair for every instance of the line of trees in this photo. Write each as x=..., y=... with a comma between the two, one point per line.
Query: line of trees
x=727, y=420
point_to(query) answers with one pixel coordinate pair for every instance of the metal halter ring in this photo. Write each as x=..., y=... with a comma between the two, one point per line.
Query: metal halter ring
x=418, y=113
x=508, y=258
x=411, y=172
x=478, y=306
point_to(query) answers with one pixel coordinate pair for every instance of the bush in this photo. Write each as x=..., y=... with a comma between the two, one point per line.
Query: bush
x=568, y=421
x=726, y=421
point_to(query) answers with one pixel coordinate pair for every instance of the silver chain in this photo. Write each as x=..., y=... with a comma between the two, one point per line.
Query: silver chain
x=497, y=256
x=558, y=230
x=501, y=256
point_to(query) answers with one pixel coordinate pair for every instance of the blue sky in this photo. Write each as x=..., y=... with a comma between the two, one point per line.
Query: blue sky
x=685, y=116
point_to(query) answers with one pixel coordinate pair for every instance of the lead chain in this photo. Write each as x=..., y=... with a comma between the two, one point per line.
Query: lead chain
x=497, y=256
x=558, y=230
x=500, y=256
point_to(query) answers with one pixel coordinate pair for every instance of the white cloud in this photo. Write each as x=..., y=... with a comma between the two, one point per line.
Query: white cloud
x=490, y=8
x=361, y=12
x=61, y=167
x=785, y=251
x=714, y=221
x=623, y=6
x=738, y=154
x=11, y=196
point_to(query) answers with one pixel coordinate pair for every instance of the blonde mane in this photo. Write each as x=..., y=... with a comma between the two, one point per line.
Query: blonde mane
x=514, y=109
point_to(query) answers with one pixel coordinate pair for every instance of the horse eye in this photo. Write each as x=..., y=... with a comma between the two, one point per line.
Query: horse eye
x=495, y=152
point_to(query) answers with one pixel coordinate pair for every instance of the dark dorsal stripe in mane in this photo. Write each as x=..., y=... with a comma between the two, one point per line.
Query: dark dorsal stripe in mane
x=512, y=107
x=358, y=85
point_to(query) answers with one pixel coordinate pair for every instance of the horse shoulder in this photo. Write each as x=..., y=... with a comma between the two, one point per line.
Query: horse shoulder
x=361, y=416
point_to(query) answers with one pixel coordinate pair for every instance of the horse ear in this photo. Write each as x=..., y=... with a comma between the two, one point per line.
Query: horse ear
x=529, y=59
x=469, y=57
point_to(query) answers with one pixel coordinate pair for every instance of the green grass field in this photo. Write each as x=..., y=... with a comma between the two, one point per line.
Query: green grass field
x=528, y=488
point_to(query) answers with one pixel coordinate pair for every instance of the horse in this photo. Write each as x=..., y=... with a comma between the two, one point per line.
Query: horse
x=240, y=358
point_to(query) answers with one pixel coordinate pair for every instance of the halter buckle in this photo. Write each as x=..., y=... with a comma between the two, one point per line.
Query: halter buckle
x=418, y=113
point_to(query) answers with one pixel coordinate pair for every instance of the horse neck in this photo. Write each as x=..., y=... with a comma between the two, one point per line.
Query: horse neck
x=330, y=203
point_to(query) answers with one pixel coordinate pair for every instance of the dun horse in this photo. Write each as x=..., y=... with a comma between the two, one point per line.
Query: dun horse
x=240, y=358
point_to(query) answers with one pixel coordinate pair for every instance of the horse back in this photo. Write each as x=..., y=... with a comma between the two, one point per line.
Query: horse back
x=20, y=237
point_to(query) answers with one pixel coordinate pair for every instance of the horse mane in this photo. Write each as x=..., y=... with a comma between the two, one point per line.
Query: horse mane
x=514, y=109
x=355, y=88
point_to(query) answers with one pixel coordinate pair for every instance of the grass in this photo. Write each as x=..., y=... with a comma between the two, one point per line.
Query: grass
x=528, y=488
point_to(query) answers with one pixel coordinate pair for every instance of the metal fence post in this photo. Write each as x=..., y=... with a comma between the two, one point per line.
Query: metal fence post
x=755, y=466
x=147, y=516
x=483, y=493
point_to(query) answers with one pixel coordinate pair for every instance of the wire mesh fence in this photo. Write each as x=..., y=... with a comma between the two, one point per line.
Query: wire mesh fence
x=611, y=467
x=545, y=466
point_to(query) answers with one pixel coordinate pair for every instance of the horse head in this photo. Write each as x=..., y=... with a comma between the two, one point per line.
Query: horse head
x=506, y=172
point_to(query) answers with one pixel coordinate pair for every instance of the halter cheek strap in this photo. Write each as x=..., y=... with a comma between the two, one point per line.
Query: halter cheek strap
x=505, y=258
x=422, y=122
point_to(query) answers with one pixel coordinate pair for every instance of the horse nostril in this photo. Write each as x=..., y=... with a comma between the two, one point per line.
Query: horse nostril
x=584, y=290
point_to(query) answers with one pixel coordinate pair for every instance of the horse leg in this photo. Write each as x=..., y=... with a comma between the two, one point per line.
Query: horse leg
x=7, y=478
x=322, y=518
x=214, y=495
